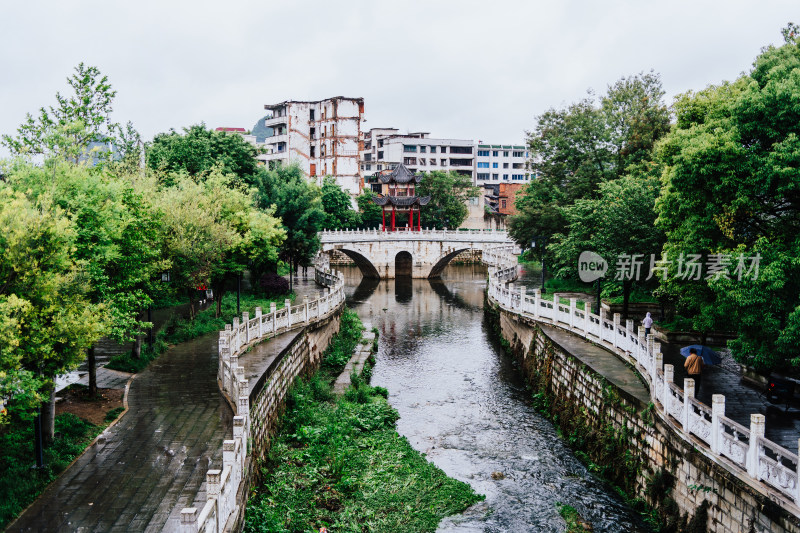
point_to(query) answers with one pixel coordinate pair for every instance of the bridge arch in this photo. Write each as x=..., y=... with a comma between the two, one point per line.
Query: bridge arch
x=440, y=265
x=366, y=267
x=403, y=264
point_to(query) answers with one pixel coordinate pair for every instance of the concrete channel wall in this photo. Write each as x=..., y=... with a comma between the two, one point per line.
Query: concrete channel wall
x=256, y=411
x=750, y=483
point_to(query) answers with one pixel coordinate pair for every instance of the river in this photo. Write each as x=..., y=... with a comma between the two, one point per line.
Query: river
x=462, y=402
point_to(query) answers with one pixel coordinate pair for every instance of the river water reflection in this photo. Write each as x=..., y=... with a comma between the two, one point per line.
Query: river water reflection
x=463, y=404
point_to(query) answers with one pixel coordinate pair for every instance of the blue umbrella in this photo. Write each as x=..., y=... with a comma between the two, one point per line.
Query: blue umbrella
x=710, y=357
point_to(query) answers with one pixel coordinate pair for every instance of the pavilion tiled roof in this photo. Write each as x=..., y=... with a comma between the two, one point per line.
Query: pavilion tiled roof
x=400, y=174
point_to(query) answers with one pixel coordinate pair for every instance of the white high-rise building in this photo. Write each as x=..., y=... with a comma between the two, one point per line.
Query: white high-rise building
x=496, y=163
x=322, y=137
x=385, y=148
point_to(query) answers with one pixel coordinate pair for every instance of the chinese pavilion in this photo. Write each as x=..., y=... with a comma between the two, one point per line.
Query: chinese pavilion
x=398, y=196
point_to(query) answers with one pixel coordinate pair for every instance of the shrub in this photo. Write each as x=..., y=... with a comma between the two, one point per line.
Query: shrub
x=273, y=284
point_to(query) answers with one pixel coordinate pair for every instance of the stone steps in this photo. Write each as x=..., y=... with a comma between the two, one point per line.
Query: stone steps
x=356, y=363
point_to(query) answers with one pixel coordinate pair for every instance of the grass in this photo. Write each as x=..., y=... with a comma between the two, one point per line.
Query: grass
x=20, y=482
x=575, y=523
x=338, y=462
x=179, y=329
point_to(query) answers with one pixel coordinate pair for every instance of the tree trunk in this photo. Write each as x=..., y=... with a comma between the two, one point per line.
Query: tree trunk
x=91, y=362
x=626, y=294
x=136, y=353
x=49, y=419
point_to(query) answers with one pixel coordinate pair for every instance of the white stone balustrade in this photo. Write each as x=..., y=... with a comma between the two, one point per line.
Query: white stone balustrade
x=747, y=449
x=222, y=486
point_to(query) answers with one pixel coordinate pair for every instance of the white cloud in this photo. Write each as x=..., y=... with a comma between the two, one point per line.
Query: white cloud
x=480, y=70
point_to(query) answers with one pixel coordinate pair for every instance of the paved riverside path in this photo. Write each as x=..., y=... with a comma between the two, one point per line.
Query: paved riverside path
x=600, y=360
x=153, y=462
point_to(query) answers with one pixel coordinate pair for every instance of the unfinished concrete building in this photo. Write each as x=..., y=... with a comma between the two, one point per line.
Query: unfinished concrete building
x=322, y=137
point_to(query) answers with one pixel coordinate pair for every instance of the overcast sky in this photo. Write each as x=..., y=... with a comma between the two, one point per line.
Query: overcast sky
x=461, y=69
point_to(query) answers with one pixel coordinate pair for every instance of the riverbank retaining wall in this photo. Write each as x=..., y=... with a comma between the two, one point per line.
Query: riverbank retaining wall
x=646, y=453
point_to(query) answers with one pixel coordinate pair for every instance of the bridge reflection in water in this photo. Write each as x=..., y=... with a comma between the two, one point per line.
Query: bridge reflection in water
x=462, y=403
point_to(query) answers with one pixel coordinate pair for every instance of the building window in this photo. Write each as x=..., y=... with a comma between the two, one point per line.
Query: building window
x=433, y=161
x=369, y=167
x=362, y=167
x=494, y=165
x=422, y=149
x=503, y=204
x=443, y=149
x=495, y=153
x=410, y=161
x=333, y=130
x=380, y=155
x=505, y=177
x=461, y=149
x=495, y=177
x=409, y=148
x=313, y=133
x=313, y=151
x=311, y=114
x=483, y=164
x=482, y=176
x=422, y=161
x=483, y=153
x=367, y=157
x=519, y=154
x=505, y=154
x=433, y=149
x=380, y=167
x=505, y=165
x=518, y=165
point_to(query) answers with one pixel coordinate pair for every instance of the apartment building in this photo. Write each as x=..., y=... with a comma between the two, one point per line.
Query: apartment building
x=496, y=163
x=386, y=148
x=322, y=137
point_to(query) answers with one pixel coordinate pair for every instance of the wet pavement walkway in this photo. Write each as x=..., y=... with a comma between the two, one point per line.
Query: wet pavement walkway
x=143, y=470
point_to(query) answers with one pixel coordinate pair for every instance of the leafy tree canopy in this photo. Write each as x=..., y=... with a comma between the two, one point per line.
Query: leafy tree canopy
x=198, y=151
x=371, y=216
x=449, y=192
x=339, y=212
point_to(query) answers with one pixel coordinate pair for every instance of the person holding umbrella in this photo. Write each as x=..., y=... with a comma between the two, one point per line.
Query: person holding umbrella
x=694, y=367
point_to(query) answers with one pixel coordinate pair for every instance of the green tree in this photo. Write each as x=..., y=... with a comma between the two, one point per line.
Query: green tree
x=371, y=216
x=198, y=151
x=46, y=320
x=575, y=149
x=298, y=204
x=339, y=212
x=449, y=192
x=620, y=222
x=731, y=186
x=79, y=119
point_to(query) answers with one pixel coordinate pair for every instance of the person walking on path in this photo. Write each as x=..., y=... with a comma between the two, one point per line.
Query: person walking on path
x=647, y=323
x=694, y=367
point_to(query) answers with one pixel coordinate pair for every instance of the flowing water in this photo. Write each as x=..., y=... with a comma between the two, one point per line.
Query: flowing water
x=462, y=402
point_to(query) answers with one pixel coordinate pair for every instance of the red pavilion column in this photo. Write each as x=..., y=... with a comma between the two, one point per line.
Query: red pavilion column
x=411, y=219
x=419, y=220
x=383, y=217
x=393, y=218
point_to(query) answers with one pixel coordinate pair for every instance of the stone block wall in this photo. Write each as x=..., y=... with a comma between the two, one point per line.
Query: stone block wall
x=301, y=358
x=660, y=466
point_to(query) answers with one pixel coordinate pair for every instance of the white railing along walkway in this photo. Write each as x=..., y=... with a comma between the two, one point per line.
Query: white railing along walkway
x=222, y=486
x=462, y=235
x=747, y=449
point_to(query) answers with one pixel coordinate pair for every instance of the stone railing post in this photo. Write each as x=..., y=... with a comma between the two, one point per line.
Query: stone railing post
x=246, y=322
x=669, y=377
x=688, y=392
x=617, y=321
x=522, y=293
x=757, y=429
x=236, y=340
x=573, y=303
x=717, y=410
x=234, y=364
x=213, y=489
x=797, y=485
x=288, y=305
x=260, y=325
x=238, y=429
x=659, y=362
x=642, y=348
x=629, y=333
x=189, y=520
x=587, y=320
x=537, y=302
x=273, y=308
x=228, y=454
x=305, y=309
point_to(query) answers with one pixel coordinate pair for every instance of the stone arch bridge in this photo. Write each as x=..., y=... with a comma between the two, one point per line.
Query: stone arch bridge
x=419, y=254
